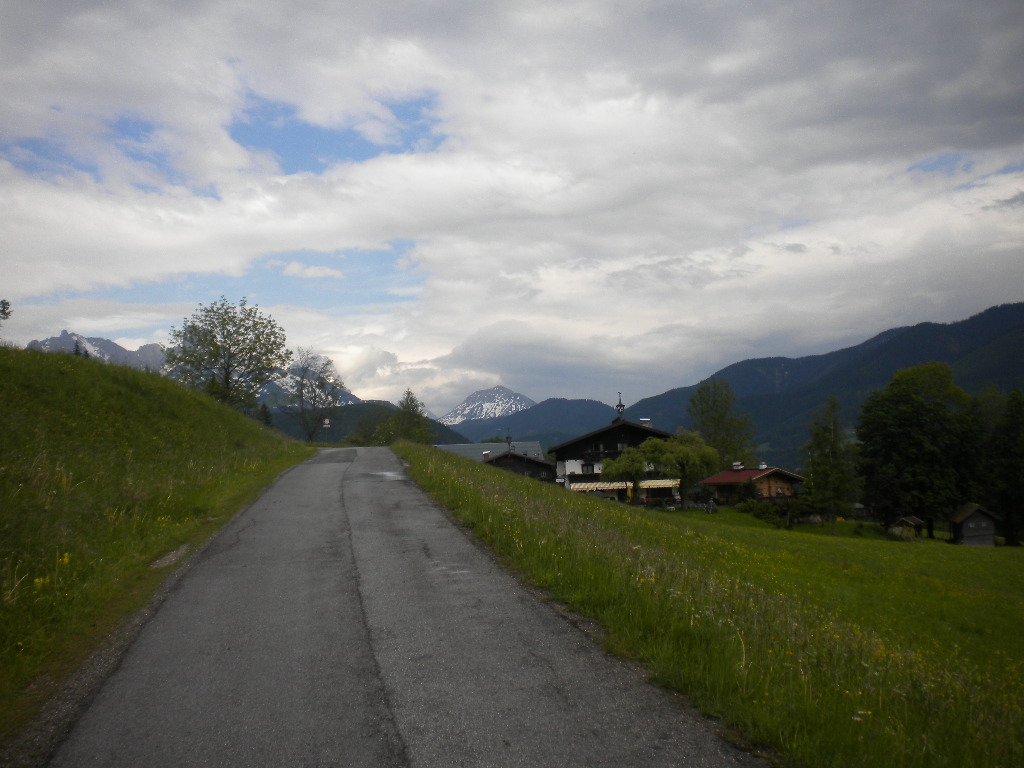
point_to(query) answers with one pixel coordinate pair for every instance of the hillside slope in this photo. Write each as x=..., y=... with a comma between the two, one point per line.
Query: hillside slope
x=104, y=469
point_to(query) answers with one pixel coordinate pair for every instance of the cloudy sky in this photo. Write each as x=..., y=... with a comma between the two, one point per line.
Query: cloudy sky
x=571, y=199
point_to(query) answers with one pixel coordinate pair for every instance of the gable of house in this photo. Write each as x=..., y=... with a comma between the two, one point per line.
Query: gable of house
x=583, y=456
x=607, y=442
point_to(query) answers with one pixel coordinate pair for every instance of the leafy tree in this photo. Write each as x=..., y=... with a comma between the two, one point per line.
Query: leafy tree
x=1004, y=462
x=685, y=456
x=312, y=388
x=229, y=351
x=5, y=310
x=830, y=467
x=713, y=416
x=631, y=466
x=916, y=437
x=409, y=422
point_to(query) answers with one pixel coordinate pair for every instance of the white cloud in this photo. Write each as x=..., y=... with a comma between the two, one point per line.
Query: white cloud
x=295, y=269
x=606, y=195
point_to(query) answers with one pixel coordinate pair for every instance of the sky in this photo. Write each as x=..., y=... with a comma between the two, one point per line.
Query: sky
x=571, y=199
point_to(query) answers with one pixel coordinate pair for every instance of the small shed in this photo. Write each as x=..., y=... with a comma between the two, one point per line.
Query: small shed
x=973, y=524
x=907, y=528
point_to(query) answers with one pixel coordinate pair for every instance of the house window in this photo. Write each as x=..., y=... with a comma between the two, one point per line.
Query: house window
x=587, y=469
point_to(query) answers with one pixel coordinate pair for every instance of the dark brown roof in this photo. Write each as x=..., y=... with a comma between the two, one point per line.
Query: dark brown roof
x=615, y=424
x=969, y=509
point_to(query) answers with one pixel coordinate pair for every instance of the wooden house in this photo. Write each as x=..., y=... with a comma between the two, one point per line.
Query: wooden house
x=579, y=460
x=527, y=466
x=907, y=528
x=770, y=483
x=973, y=524
x=484, y=451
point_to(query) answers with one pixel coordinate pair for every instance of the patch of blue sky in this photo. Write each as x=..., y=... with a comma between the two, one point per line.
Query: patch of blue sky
x=134, y=138
x=45, y=158
x=946, y=163
x=340, y=283
x=301, y=146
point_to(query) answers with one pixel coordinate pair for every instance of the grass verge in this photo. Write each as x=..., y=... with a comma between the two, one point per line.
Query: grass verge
x=103, y=470
x=831, y=652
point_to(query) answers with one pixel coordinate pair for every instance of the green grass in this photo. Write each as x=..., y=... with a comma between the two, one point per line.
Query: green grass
x=831, y=651
x=102, y=470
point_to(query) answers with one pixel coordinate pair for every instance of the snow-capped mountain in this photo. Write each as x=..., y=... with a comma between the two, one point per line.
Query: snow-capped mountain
x=488, y=404
x=148, y=356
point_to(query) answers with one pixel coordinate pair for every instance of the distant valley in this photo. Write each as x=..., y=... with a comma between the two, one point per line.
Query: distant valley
x=779, y=394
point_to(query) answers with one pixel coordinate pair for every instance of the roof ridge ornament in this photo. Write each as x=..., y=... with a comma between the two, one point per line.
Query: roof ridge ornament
x=619, y=406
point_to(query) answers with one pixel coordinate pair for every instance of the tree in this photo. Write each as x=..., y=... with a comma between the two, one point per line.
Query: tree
x=712, y=415
x=312, y=387
x=1004, y=461
x=409, y=422
x=229, y=351
x=831, y=473
x=631, y=466
x=5, y=310
x=264, y=416
x=684, y=456
x=916, y=440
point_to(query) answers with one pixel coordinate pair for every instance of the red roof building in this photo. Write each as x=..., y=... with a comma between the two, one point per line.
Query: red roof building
x=770, y=483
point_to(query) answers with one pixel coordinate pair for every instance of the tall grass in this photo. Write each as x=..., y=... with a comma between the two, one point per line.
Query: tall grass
x=774, y=632
x=102, y=470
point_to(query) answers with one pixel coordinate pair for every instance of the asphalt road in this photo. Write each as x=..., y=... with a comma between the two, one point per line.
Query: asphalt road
x=343, y=620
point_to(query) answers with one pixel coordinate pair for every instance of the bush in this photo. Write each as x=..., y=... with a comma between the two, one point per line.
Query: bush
x=763, y=510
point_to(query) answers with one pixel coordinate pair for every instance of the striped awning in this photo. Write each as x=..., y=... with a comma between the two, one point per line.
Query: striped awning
x=622, y=485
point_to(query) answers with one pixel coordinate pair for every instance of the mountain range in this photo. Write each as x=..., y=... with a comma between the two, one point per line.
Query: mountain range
x=490, y=403
x=780, y=394
x=147, y=357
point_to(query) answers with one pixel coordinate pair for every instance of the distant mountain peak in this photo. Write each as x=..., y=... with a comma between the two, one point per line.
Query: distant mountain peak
x=148, y=356
x=487, y=404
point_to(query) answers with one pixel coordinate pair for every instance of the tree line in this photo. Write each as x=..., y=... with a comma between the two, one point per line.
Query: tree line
x=921, y=447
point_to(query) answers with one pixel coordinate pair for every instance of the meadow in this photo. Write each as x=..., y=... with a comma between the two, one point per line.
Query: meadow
x=823, y=650
x=103, y=470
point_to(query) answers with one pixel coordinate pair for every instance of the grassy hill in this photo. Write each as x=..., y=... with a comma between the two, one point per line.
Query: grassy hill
x=832, y=651
x=103, y=470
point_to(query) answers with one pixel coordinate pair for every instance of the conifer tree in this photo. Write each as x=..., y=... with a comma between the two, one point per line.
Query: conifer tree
x=831, y=473
x=713, y=415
